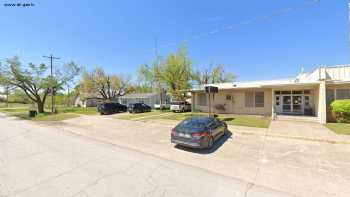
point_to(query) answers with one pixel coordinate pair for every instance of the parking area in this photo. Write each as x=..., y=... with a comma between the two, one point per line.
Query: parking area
x=298, y=167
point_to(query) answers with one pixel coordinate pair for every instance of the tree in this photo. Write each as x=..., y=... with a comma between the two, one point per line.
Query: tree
x=34, y=80
x=172, y=74
x=108, y=86
x=176, y=73
x=214, y=75
x=145, y=79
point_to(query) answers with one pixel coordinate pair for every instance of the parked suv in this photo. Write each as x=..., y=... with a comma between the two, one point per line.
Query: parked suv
x=180, y=106
x=139, y=108
x=111, y=108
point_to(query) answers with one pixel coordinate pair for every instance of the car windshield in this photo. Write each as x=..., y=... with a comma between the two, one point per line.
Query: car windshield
x=195, y=123
x=177, y=103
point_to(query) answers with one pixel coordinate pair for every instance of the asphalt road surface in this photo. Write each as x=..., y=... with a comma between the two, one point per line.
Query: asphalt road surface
x=43, y=160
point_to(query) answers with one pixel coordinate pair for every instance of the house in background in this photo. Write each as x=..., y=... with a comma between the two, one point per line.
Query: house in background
x=92, y=100
x=87, y=100
x=146, y=98
x=307, y=94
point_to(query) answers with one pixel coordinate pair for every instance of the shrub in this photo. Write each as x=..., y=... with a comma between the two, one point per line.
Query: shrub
x=341, y=108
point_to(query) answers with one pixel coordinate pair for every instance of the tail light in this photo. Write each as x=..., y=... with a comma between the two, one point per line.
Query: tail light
x=173, y=131
x=200, y=134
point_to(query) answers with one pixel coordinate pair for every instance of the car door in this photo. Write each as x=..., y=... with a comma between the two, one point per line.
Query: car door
x=214, y=127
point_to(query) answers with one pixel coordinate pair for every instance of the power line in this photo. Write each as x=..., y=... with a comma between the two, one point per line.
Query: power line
x=51, y=74
x=227, y=28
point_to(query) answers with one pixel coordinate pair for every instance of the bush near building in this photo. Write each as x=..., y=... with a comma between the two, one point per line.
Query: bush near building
x=341, y=108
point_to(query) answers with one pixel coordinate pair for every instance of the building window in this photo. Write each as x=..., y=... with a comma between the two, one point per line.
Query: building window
x=343, y=93
x=286, y=92
x=228, y=97
x=297, y=92
x=259, y=99
x=278, y=100
x=254, y=99
x=202, y=99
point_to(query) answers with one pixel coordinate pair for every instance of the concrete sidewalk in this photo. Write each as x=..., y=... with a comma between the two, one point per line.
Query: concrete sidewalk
x=310, y=131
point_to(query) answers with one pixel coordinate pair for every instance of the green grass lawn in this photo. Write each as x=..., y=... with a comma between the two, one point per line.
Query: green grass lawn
x=79, y=110
x=14, y=105
x=246, y=120
x=339, y=128
x=24, y=114
x=64, y=113
x=240, y=120
x=47, y=116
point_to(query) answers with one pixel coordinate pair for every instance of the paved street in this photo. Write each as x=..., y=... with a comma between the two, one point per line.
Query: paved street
x=39, y=160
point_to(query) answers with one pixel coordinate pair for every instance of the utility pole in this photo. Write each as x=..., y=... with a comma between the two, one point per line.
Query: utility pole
x=51, y=75
x=157, y=63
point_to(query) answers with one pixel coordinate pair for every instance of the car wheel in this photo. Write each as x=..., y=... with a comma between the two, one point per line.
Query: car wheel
x=210, y=142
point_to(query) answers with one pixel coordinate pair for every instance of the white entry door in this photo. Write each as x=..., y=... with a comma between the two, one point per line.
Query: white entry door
x=292, y=104
x=286, y=103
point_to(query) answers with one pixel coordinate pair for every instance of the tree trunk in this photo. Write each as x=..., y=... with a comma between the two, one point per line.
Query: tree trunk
x=40, y=107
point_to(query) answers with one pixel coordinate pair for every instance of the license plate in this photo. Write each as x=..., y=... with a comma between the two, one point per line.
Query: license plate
x=184, y=135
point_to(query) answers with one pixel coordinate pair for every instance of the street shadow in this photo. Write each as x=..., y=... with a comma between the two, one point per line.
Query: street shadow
x=215, y=147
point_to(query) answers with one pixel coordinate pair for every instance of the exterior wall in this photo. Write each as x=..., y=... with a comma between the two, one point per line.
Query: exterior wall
x=341, y=73
x=322, y=109
x=335, y=73
x=316, y=100
x=237, y=104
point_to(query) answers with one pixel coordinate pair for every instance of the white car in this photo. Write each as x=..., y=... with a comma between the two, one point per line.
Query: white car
x=165, y=106
x=180, y=106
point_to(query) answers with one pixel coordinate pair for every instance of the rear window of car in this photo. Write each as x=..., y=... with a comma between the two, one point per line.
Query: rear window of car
x=195, y=123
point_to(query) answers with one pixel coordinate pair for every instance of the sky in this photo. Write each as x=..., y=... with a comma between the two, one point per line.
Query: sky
x=269, y=39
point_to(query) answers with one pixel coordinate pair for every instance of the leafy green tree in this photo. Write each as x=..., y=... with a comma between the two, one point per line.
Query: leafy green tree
x=34, y=81
x=213, y=75
x=108, y=86
x=18, y=96
x=173, y=74
x=145, y=79
x=176, y=73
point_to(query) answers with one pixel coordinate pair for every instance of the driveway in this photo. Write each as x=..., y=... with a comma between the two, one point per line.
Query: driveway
x=40, y=160
x=298, y=167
